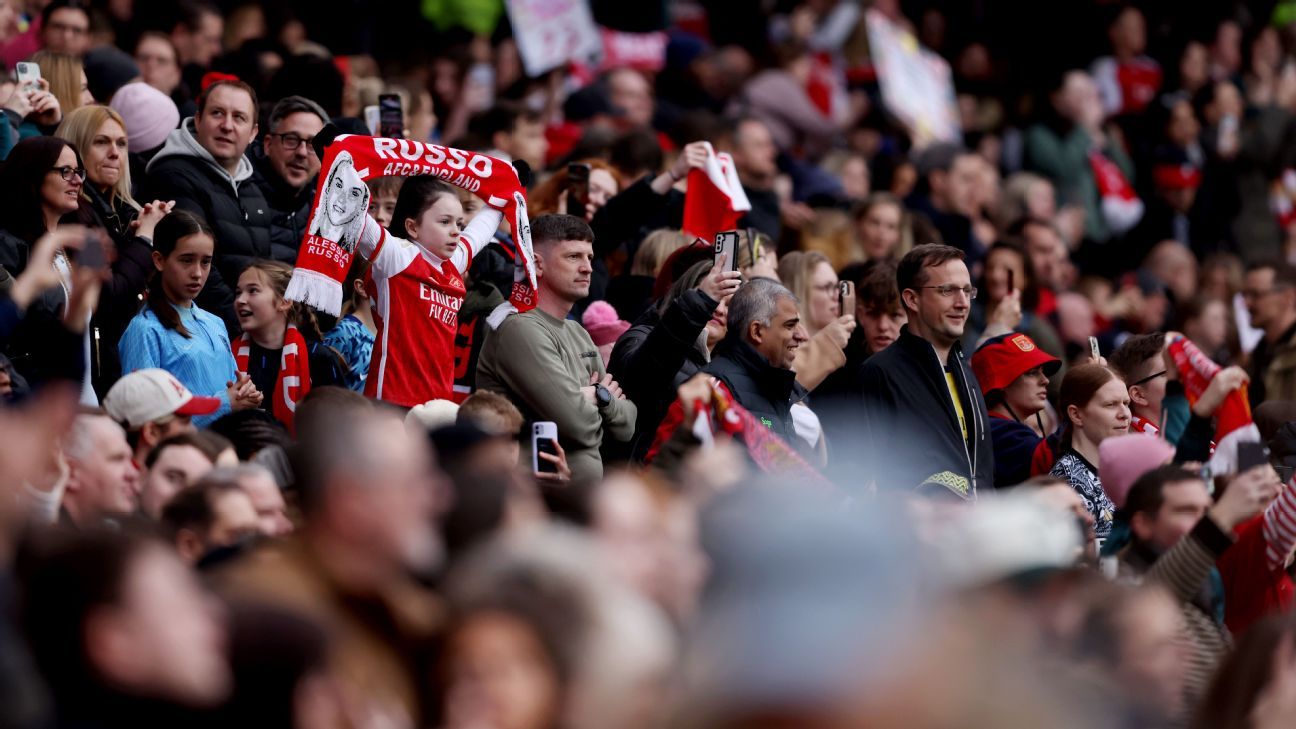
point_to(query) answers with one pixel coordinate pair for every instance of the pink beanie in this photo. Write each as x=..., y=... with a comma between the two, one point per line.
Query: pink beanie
x=602, y=323
x=1124, y=458
x=150, y=115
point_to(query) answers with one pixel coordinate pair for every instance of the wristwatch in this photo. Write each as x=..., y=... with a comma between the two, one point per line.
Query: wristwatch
x=602, y=396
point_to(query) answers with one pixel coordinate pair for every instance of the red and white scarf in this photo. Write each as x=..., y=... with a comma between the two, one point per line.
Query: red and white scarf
x=328, y=246
x=293, y=381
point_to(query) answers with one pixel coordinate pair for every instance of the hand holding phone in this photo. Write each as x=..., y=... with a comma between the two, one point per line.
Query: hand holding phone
x=28, y=75
x=544, y=438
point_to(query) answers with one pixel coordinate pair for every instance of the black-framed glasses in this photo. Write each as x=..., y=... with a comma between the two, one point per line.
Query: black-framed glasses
x=67, y=171
x=291, y=141
x=1149, y=378
x=947, y=290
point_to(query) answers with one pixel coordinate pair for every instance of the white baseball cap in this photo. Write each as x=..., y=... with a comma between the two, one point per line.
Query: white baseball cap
x=145, y=396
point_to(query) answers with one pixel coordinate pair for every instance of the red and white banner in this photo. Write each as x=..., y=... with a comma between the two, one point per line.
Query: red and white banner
x=715, y=199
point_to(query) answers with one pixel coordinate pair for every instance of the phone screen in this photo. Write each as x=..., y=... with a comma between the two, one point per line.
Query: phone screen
x=726, y=245
x=92, y=253
x=391, y=117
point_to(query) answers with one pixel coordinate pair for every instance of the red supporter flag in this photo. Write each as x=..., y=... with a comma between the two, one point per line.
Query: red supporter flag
x=1233, y=422
x=715, y=199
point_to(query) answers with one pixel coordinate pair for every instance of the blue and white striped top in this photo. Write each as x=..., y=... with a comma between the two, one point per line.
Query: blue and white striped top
x=203, y=362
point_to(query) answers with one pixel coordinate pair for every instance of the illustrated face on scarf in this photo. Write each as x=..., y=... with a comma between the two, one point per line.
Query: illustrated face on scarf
x=343, y=201
x=257, y=305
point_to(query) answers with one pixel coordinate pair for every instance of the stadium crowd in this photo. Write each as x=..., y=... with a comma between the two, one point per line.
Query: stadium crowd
x=358, y=371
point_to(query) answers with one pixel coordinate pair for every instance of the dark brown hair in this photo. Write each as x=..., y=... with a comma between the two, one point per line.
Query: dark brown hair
x=417, y=194
x=1129, y=358
x=166, y=237
x=910, y=274
x=876, y=288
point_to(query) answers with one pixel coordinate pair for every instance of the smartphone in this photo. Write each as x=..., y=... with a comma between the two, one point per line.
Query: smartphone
x=29, y=75
x=1012, y=284
x=543, y=435
x=371, y=119
x=845, y=298
x=391, y=116
x=726, y=244
x=578, y=176
x=1093, y=348
x=1250, y=455
x=92, y=253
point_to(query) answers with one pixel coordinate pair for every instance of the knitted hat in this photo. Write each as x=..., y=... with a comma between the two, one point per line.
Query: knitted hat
x=603, y=324
x=107, y=69
x=1124, y=458
x=150, y=115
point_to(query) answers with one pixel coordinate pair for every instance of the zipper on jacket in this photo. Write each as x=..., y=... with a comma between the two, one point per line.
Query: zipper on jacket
x=967, y=450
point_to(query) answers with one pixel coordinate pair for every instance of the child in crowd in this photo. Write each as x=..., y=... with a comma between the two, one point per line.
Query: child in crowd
x=353, y=337
x=383, y=192
x=419, y=288
x=175, y=335
x=281, y=347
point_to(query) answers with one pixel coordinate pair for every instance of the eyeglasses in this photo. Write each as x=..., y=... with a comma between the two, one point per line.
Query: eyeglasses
x=67, y=171
x=1149, y=378
x=291, y=141
x=948, y=290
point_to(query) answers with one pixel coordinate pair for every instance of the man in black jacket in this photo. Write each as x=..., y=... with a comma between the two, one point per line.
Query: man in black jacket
x=286, y=169
x=923, y=422
x=203, y=169
x=755, y=358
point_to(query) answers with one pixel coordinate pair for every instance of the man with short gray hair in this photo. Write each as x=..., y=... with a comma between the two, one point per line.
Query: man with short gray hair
x=755, y=358
x=286, y=168
x=102, y=480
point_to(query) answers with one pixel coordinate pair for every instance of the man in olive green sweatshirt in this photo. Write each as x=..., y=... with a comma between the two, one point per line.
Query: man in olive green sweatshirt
x=547, y=365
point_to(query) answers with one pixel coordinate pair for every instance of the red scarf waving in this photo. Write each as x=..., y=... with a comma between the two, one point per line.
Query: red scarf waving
x=293, y=381
x=334, y=226
x=768, y=451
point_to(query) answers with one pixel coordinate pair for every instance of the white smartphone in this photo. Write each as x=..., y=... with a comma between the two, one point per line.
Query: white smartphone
x=1093, y=348
x=371, y=118
x=29, y=75
x=543, y=435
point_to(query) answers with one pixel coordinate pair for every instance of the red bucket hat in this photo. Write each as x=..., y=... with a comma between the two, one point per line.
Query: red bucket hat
x=1003, y=359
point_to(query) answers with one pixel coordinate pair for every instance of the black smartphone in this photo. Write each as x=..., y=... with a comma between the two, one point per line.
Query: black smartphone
x=578, y=176
x=391, y=116
x=726, y=245
x=92, y=253
x=1250, y=455
x=1012, y=285
x=543, y=435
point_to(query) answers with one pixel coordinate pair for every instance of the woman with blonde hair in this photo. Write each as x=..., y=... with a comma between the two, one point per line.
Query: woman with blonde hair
x=632, y=293
x=99, y=134
x=66, y=77
x=810, y=277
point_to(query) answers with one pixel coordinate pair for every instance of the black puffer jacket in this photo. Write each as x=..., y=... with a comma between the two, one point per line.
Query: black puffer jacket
x=231, y=205
x=908, y=433
x=768, y=392
x=289, y=207
x=27, y=347
x=656, y=356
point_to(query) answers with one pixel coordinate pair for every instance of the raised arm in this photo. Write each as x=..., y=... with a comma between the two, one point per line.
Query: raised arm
x=478, y=234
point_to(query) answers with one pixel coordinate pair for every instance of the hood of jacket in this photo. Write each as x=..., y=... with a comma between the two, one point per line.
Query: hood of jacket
x=182, y=142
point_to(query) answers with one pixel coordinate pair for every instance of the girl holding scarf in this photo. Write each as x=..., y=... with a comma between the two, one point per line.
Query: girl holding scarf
x=417, y=267
x=417, y=262
x=281, y=347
